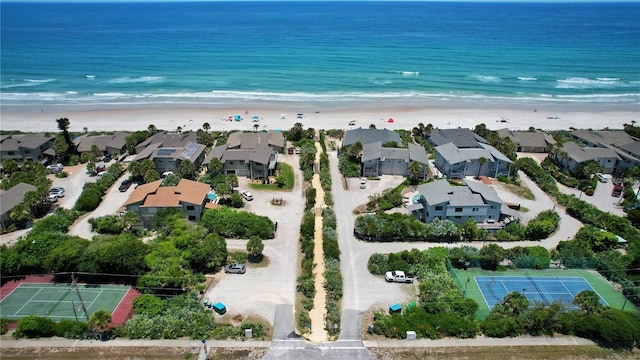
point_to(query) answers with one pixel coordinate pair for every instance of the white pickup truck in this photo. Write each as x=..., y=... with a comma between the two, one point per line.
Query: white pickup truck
x=398, y=276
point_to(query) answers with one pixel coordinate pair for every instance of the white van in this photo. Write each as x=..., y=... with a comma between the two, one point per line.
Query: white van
x=601, y=178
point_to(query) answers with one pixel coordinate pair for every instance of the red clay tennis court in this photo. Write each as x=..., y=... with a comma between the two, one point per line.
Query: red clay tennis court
x=62, y=301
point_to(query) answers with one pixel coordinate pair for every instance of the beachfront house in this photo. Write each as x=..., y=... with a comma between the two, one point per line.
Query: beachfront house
x=462, y=138
x=167, y=159
x=167, y=140
x=485, y=160
x=25, y=147
x=148, y=199
x=9, y=199
x=368, y=136
x=250, y=140
x=614, y=150
x=475, y=201
x=531, y=141
x=100, y=145
x=378, y=160
x=258, y=162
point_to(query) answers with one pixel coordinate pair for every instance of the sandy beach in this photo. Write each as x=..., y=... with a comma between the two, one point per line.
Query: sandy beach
x=271, y=116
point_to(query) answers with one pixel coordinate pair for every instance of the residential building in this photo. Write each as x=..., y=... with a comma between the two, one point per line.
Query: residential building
x=462, y=138
x=625, y=147
x=254, y=163
x=10, y=198
x=572, y=154
x=104, y=144
x=24, y=147
x=455, y=162
x=149, y=199
x=368, y=136
x=475, y=201
x=169, y=158
x=167, y=140
x=251, y=140
x=534, y=141
x=378, y=160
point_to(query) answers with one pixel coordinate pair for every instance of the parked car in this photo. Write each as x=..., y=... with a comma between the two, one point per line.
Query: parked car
x=297, y=150
x=166, y=173
x=107, y=158
x=398, y=276
x=101, y=168
x=55, y=168
x=352, y=122
x=290, y=151
x=235, y=268
x=57, y=191
x=124, y=185
x=363, y=183
x=247, y=195
x=601, y=178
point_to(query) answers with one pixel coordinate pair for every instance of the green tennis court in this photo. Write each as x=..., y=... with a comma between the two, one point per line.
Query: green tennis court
x=60, y=301
x=468, y=281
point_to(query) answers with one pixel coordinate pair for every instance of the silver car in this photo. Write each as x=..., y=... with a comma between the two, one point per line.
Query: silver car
x=235, y=268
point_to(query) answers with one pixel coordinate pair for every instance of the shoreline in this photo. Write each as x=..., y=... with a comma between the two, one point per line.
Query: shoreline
x=274, y=115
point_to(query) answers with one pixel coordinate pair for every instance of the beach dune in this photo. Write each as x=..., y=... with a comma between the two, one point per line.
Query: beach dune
x=284, y=116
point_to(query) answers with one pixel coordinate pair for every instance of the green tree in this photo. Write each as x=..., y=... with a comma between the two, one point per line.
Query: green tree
x=514, y=303
x=215, y=166
x=95, y=150
x=129, y=218
x=355, y=149
x=415, y=170
x=254, y=248
x=9, y=166
x=206, y=127
x=100, y=321
x=151, y=129
x=187, y=169
x=20, y=214
x=295, y=133
x=151, y=175
x=91, y=167
x=481, y=160
x=490, y=256
x=63, y=125
x=588, y=301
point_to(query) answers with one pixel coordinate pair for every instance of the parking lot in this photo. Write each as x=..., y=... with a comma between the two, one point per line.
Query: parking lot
x=262, y=288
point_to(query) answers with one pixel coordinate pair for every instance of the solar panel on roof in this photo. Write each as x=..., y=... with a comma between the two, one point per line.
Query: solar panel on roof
x=190, y=150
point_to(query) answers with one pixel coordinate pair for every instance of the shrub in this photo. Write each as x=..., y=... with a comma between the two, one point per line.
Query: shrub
x=33, y=326
x=110, y=224
x=71, y=329
x=310, y=195
x=231, y=223
x=377, y=264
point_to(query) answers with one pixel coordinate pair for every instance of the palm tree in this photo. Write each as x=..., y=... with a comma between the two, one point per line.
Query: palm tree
x=100, y=321
x=20, y=214
x=95, y=150
x=129, y=218
x=85, y=129
x=151, y=128
x=482, y=160
x=215, y=166
x=255, y=127
x=206, y=127
x=588, y=301
x=179, y=129
x=415, y=170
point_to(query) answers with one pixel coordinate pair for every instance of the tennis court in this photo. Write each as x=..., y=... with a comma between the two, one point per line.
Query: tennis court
x=538, y=289
x=488, y=288
x=60, y=301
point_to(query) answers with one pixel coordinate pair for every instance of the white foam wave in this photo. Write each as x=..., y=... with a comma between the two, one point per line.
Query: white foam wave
x=410, y=73
x=39, y=81
x=487, y=78
x=524, y=78
x=130, y=80
x=586, y=83
x=90, y=76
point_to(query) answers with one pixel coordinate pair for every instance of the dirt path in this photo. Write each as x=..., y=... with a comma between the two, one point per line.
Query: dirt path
x=317, y=314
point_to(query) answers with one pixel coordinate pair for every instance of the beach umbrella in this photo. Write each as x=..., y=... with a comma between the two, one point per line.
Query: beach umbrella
x=237, y=118
x=390, y=120
x=230, y=117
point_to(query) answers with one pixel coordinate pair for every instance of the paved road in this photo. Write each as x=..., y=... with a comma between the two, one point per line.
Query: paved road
x=111, y=202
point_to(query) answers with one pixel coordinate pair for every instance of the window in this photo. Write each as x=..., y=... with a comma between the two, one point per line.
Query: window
x=192, y=218
x=439, y=208
x=474, y=209
x=493, y=207
x=190, y=207
x=458, y=210
x=27, y=151
x=458, y=217
x=230, y=162
x=12, y=152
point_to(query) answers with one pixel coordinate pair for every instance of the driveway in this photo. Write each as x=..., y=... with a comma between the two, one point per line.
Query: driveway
x=262, y=289
x=111, y=202
x=77, y=176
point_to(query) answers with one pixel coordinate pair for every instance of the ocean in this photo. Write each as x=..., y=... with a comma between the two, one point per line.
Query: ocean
x=322, y=52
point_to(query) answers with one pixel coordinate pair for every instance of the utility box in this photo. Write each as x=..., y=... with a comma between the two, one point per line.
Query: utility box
x=248, y=333
x=219, y=308
x=395, y=309
x=411, y=335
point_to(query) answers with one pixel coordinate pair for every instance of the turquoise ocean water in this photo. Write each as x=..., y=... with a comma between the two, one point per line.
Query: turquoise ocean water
x=332, y=52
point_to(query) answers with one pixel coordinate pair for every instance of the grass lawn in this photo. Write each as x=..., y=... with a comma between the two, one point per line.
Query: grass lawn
x=289, y=180
x=522, y=191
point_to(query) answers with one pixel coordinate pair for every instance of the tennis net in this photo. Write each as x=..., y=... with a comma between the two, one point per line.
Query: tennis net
x=535, y=284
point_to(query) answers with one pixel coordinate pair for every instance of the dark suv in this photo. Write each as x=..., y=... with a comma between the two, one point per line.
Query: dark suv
x=124, y=186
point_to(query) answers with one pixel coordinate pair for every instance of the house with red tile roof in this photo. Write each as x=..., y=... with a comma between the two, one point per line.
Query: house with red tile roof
x=148, y=199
